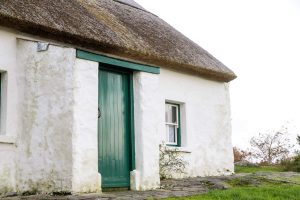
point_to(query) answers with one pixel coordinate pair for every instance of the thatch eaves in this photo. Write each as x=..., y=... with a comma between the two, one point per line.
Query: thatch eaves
x=113, y=28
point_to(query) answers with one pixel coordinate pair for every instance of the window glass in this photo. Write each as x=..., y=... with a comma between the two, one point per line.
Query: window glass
x=0, y=104
x=168, y=114
x=172, y=134
x=174, y=114
x=171, y=114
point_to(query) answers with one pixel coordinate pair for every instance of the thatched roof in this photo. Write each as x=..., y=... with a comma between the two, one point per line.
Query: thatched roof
x=120, y=28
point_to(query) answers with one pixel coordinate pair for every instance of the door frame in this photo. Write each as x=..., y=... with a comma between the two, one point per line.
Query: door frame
x=107, y=67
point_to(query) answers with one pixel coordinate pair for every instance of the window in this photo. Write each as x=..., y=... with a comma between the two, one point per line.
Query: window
x=0, y=104
x=172, y=124
x=3, y=84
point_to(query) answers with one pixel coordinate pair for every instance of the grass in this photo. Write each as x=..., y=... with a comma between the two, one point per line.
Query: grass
x=255, y=187
x=253, y=169
x=266, y=192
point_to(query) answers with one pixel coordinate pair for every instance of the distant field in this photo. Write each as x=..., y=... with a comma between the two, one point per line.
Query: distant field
x=248, y=169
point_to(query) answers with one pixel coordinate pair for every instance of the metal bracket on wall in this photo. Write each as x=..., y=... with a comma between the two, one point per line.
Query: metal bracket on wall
x=42, y=46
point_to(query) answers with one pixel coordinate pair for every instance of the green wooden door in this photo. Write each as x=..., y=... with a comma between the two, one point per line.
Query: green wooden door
x=114, y=128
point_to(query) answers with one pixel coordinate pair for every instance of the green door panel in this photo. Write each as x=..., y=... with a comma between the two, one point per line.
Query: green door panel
x=114, y=128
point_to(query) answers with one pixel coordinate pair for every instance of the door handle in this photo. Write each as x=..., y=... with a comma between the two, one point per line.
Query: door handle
x=99, y=113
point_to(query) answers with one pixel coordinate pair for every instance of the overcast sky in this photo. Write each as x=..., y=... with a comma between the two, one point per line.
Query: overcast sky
x=260, y=41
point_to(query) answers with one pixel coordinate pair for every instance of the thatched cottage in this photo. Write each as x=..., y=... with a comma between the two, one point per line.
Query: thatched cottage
x=91, y=88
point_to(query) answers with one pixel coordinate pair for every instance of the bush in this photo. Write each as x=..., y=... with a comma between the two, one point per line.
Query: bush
x=241, y=155
x=292, y=164
x=170, y=162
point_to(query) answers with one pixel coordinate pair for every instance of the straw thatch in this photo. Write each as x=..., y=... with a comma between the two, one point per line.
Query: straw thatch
x=113, y=28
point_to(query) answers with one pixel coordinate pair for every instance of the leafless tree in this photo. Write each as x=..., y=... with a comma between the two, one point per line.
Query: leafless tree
x=271, y=147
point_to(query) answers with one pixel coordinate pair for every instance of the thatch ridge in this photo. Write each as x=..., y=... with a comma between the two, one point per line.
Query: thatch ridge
x=112, y=28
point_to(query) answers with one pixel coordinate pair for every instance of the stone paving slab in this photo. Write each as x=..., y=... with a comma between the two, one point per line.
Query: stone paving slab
x=169, y=188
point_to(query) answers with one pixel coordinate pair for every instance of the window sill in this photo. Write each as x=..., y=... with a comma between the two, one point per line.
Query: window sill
x=4, y=139
x=178, y=149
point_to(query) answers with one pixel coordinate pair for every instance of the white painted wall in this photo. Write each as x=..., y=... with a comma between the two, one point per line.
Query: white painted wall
x=206, y=121
x=147, y=135
x=85, y=135
x=48, y=126
x=45, y=142
x=58, y=149
x=49, y=105
x=9, y=111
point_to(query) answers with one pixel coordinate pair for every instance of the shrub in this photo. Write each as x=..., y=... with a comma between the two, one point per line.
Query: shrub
x=240, y=155
x=170, y=162
x=292, y=164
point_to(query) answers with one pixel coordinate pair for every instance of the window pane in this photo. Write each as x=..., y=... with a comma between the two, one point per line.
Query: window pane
x=171, y=114
x=168, y=114
x=174, y=114
x=172, y=134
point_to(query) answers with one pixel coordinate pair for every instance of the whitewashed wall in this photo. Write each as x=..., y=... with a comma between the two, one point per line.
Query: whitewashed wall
x=206, y=121
x=48, y=137
x=147, y=135
x=45, y=142
x=9, y=111
x=85, y=134
x=58, y=150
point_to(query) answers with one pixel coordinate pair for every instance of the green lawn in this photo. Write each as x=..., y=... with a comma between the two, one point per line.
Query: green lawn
x=255, y=186
x=267, y=192
x=248, y=169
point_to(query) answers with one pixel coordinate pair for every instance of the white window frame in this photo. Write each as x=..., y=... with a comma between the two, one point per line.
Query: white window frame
x=168, y=124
